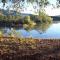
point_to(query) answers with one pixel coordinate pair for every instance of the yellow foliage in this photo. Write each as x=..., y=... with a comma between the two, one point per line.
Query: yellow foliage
x=1, y=34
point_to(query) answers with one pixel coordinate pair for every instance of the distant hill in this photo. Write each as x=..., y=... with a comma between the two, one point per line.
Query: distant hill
x=11, y=12
x=8, y=12
x=56, y=18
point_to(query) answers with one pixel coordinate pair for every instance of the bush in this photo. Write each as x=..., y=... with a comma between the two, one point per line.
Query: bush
x=44, y=18
x=41, y=18
x=10, y=18
x=26, y=19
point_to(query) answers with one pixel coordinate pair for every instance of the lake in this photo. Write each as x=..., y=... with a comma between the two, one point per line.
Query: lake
x=52, y=31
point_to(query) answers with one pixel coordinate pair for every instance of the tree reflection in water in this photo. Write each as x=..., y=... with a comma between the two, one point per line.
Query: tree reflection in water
x=40, y=28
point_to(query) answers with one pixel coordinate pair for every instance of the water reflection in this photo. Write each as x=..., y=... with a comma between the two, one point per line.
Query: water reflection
x=42, y=27
x=39, y=31
x=25, y=32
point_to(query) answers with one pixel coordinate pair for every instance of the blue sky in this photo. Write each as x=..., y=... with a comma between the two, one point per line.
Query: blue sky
x=52, y=1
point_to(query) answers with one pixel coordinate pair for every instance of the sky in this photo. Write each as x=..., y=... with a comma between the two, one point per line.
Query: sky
x=52, y=1
x=52, y=11
x=49, y=9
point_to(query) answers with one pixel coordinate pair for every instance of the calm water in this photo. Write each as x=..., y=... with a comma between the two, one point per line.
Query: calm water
x=52, y=31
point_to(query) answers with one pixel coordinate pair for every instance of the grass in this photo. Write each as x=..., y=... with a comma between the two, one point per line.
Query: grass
x=29, y=49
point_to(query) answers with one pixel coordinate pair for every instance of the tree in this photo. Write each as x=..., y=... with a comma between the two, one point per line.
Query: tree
x=58, y=3
x=17, y=4
x=4, y=1
x=41, y=3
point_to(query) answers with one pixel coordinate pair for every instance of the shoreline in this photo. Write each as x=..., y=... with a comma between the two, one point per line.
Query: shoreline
x=32, y=38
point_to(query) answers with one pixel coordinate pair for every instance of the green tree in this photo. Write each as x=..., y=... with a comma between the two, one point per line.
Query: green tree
x=26, y=19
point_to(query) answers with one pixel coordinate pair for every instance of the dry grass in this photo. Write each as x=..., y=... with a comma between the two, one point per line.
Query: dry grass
x=29, y=49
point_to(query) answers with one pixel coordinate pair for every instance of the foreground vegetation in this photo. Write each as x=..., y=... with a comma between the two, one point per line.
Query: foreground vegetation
x=29, y=49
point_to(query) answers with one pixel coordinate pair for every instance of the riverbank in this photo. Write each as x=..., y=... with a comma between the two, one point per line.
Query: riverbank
x=12, y=48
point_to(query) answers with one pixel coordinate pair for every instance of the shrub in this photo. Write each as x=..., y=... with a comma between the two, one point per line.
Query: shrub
x=26, y=19
x=44, y=18
x=41, y=18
